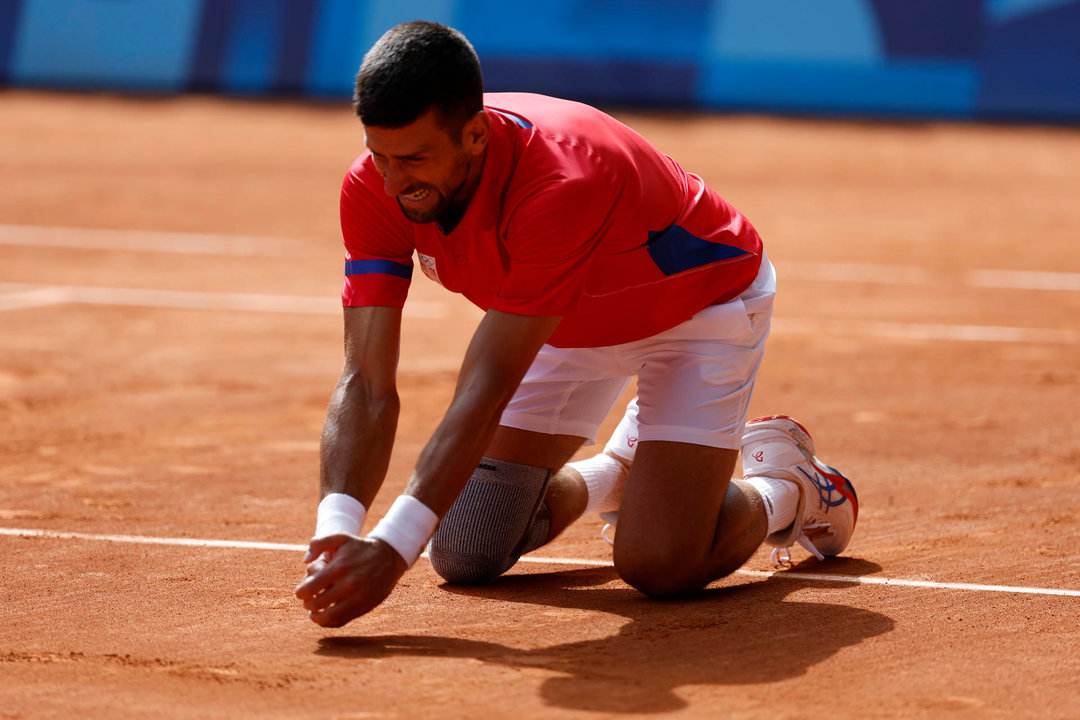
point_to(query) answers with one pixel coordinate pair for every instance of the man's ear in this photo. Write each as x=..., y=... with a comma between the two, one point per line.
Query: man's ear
x=476, y=133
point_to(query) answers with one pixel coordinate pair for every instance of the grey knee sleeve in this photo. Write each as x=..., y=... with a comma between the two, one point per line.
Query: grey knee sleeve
x=498, y=516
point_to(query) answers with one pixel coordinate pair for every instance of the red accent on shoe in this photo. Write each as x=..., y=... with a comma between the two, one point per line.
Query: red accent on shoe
x=843, y=486
x=763, y=418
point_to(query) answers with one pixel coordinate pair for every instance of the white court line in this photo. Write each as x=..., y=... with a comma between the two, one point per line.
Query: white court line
x=1024, y=279
x=813, y=577
x=925, y=331
x=21, y=297
x=149, y=241
x=884, y=274
x=14, y=296
x=255, y=246
x=876, y=273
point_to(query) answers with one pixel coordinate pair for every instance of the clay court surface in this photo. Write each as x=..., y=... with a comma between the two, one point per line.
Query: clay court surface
x=170, y=332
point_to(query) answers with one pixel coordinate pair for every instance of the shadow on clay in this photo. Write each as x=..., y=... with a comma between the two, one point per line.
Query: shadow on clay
x=741, y=634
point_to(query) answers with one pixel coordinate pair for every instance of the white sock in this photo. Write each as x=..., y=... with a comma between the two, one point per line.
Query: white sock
x=781, y=500
x=604, y=479
x=624, y=439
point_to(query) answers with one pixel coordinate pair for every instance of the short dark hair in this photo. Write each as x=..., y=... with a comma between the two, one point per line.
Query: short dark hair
x=414, y=67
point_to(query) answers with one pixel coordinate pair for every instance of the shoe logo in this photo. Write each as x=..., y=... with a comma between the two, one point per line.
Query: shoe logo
x=826, y=491
x=631, y=440
x=760, y=456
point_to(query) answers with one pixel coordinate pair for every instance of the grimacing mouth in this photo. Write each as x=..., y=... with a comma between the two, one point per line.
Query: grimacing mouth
x=418, y=194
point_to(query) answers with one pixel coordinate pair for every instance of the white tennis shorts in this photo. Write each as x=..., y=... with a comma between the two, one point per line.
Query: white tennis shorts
x=694, y=380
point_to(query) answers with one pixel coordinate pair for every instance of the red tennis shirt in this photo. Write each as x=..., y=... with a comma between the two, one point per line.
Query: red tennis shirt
x=576, y=215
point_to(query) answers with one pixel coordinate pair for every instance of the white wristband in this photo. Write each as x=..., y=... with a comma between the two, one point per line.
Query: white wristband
x=406, y=527
x=340, y=513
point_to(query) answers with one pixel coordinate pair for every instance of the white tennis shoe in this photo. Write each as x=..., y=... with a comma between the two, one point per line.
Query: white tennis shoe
x=778, y=446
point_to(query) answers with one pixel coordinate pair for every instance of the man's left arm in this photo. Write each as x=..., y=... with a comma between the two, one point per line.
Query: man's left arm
x=501, y=351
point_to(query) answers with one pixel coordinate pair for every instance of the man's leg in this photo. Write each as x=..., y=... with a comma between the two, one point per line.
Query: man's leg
x=514, y=502
x=521, y=495
x=674, y=549
x=683, y=522
x=566, y=496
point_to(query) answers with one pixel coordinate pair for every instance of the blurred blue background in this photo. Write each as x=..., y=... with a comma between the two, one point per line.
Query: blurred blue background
x=1005, y=59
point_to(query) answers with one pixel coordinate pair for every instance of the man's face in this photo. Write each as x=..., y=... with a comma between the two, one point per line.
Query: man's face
x=427, y=167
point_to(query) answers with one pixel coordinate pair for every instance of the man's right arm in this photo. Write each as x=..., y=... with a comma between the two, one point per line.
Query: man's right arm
x=357, y=439
x=362, y=417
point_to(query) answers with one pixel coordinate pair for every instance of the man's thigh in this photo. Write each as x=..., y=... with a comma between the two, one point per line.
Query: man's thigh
x=564, y=498
x=567, y=392
x=533, y=448
x=675, y=491
x=696, y=382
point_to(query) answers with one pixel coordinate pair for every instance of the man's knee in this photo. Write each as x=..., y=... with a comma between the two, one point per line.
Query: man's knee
x=491, y=523
x=463, y=568
x=660, y=571
x=677, y=564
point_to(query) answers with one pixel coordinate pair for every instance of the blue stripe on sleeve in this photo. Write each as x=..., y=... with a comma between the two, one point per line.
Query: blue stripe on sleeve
x=385, y=267
x=675, y=250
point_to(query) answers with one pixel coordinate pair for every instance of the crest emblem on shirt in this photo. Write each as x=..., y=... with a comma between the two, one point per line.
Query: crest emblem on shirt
x=427, y=264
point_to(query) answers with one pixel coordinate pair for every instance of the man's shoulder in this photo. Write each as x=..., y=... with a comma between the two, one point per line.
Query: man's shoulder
x=527, y=100
x=557, y=141
x=362, y=182
x=550, y=116
x=361, y=171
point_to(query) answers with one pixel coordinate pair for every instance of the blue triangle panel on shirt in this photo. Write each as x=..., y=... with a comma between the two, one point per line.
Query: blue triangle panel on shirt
x=676, y=249
x=384, y=267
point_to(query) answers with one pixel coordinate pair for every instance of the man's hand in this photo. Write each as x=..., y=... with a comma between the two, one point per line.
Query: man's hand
x=348, y=577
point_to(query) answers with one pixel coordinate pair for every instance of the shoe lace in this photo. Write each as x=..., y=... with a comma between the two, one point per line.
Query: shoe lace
x=782, y=556
x=604, y=534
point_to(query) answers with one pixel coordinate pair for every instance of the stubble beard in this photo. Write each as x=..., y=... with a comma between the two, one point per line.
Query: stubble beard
x=424, y=216
x=446, y=206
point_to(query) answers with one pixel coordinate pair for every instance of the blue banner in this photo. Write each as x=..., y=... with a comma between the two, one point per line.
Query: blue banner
x=1015, y=59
